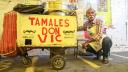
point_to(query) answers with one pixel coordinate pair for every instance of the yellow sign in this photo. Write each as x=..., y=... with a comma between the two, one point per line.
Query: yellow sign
x=46, y=30
x=104, y=10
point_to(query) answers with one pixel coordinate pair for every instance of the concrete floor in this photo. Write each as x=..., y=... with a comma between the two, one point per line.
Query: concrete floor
x=41, y=63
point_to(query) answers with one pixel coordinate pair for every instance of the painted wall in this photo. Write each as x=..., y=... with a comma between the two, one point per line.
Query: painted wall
x=119, y=17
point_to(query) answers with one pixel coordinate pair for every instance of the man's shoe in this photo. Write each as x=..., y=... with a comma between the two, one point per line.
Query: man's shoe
x=105, y=61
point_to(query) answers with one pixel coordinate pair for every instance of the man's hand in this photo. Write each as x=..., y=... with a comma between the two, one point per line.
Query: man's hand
x=98, y=21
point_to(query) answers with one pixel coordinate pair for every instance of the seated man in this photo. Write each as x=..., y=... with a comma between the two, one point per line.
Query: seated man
x=96, y=43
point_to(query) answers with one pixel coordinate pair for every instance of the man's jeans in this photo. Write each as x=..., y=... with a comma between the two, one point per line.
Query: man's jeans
x=106, y=45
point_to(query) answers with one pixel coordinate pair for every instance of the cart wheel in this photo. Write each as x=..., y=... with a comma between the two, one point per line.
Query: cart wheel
x=26, y=60
x=58, y=62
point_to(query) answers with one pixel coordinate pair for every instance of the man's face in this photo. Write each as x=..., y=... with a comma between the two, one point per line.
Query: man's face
x=90, y=14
